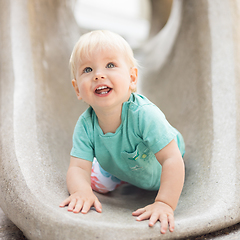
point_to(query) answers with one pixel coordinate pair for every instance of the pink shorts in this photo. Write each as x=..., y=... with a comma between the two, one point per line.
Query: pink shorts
x=101, y=180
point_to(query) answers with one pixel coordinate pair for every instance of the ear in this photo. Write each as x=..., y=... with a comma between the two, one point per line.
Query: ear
x=75, y=86
x=134, y=78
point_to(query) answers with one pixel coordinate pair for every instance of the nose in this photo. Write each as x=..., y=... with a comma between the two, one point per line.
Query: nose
x=99, y=75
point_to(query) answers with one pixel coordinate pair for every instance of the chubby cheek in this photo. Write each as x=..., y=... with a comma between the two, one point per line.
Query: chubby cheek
x=84, y=90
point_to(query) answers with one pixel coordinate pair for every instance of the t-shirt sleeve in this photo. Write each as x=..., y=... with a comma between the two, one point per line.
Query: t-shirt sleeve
x=82, y=140
x=155, y=129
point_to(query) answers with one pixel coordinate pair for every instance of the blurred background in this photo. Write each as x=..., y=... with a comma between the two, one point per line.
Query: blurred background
x=130, y=19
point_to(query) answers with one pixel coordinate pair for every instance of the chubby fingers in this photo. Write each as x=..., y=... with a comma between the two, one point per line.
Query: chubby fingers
x=157, y=212
x=164, y=223
x=98, y=206
x=143, y=216
x=139, y=212
x=71, y=202
x=77, y=205
x=153, y=219
x=88, y=204
x=65, y=202
x=166, y=220
x=171, y=223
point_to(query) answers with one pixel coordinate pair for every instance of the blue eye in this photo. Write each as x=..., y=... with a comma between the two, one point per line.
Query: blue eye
x=87, y=70
x=110, y=65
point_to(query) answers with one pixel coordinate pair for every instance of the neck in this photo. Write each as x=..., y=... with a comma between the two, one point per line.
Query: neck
x=109, y=121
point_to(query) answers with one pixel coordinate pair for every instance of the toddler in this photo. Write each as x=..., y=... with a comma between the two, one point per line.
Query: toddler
x=122, y=136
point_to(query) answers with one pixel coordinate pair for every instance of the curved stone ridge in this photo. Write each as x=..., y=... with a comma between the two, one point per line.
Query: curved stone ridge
x=196, y=84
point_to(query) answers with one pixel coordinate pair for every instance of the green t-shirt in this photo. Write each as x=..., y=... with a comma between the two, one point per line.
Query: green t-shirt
x=128, y=153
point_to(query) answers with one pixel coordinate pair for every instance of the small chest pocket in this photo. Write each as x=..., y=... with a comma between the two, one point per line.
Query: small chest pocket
x=139, y=159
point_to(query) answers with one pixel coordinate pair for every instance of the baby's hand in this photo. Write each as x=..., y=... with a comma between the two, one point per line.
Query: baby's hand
x=78, y=203
x=157, y=211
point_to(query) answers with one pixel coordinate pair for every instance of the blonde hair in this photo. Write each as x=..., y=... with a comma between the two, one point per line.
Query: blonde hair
x=100, y=39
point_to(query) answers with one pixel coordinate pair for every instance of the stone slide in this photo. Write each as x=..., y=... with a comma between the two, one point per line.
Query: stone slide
x=189, y=70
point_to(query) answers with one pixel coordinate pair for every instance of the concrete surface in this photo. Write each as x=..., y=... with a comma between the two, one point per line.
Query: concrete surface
x=9, y=231
x=190, y=71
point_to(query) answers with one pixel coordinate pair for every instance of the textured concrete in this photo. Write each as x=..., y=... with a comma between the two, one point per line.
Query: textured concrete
x=190, y=71
x=8, y=231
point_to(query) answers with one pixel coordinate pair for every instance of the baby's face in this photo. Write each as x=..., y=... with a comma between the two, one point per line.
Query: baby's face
x=105, y=79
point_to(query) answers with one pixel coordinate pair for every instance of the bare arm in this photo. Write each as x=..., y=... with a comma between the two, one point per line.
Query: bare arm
x=81, y=196
x=172, y=179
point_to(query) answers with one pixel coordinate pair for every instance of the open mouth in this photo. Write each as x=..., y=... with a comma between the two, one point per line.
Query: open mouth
x=103, y=90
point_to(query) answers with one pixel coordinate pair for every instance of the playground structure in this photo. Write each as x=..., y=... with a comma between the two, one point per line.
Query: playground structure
x=191, y=72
